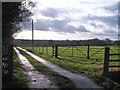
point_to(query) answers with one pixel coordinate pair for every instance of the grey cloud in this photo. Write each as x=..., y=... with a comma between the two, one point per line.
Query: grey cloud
x=63, y=26
x=50, y=12
x=108, y=20
x=82, y=28
x=59, y=25
x=112, y=7
x=111, y=21
x=71, y=29
x=94, y=24
x=56, y=12
x=111, y=32
x=41, y=26
x=38, y=25
x=56, y=25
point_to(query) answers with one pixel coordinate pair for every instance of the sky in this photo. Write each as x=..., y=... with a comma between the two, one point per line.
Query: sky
x=72, y=20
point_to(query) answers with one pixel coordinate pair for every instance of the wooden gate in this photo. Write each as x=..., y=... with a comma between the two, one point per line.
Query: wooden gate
x=107, y=62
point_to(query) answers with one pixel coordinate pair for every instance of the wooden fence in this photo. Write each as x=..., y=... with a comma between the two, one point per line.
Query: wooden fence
x=88, y=54
x=69, y=51
x=107, y=61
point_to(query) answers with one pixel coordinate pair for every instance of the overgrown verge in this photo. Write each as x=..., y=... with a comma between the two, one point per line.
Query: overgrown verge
x=19, y=78
x=61, y=81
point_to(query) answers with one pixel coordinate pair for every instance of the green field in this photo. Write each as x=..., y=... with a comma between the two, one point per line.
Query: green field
x=95, y=52
x=75, y=60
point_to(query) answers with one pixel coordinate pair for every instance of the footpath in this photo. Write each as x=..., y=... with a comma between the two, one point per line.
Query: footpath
x=80, y=81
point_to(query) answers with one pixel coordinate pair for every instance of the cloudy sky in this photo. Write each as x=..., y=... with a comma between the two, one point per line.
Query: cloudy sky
x=73, y=20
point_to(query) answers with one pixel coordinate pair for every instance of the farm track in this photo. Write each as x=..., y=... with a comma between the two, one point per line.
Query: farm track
x=80, y=81
x=36, y=79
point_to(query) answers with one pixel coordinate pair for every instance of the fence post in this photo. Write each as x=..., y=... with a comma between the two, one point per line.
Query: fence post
x=42, y=49
x=72, y=51
x=46, y=50
x=39, y=49
x=88, y=52
x=53, y=51
x=56, y=51
x=36, y=50
x=106, y=61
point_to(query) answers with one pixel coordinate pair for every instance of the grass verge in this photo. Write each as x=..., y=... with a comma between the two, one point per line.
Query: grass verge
x=19, y=78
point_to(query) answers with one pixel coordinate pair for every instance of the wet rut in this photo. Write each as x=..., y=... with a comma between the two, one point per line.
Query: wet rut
x=36, y=79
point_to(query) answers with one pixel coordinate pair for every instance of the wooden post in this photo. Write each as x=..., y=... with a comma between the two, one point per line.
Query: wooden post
x=32, y=35
x=46, y=50
x=106, y=61
x=72, y=51
x=88, y=52
x=56, y=51
x=43, y=50
x=39, y=49
x=53, y=51
x=35, y=49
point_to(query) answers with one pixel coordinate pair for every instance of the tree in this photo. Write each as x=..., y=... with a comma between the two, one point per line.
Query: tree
x=108, y=41
x=12, y=14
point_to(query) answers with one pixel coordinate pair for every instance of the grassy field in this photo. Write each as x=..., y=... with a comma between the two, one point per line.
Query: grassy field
x=76, y=62
x=76, y=51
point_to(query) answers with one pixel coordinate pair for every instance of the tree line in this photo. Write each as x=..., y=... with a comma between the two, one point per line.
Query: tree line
x=98, y=42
